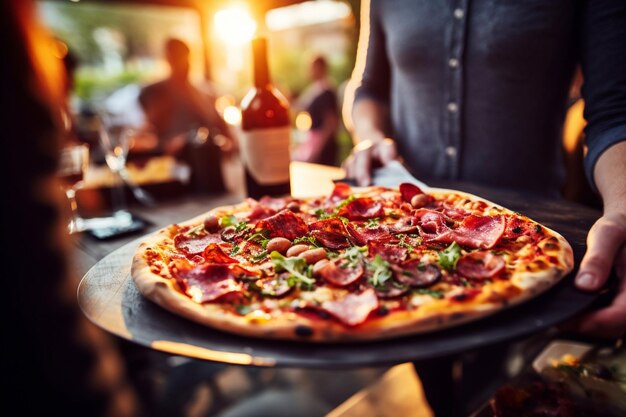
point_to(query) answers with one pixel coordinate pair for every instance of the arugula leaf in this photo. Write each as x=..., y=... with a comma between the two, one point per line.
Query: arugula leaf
x=354, y=255
x=373, y=222
x=226, y=221
x=195, y=231
x=433, y=293
x=241, y=226
x=297, y=267
x=345, y=202
x=309, y=240
x=260, y=237
x=380, y=271
x=449, y=256
x=243, y=309
x=235, y=250
x=322, y=215
x=259, y=257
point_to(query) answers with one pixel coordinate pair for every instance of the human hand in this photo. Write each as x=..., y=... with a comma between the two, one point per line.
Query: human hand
x=365, y=155
x=606, y=248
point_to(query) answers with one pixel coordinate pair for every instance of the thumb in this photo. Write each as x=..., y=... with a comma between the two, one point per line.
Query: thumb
x=386, y=151
x=603, y=243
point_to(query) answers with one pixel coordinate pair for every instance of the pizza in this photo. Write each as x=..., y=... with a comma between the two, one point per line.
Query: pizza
x=360, y=264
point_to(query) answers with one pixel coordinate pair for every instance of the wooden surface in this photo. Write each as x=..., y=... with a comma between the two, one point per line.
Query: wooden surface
x=109, y=298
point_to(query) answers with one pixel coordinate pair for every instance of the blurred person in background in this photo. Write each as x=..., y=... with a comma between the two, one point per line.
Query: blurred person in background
x=174, y=106
x=319, y=100
x=54, y=362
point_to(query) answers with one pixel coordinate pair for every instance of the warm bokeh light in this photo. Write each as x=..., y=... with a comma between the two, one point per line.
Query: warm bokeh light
x=303, y=121
x=222, y=102
x=232, y=115
x=306, y=13
x=234, y=25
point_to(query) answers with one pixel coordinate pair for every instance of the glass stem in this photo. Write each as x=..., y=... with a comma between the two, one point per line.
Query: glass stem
x=119, y=199
x=71, y=196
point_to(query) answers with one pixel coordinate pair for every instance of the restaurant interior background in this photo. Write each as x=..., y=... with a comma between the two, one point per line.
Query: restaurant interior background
x=119, y=49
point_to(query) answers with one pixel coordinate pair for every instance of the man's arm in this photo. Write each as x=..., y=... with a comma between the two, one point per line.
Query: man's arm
x=604, y=91
x=606, y=245
x=367, y=116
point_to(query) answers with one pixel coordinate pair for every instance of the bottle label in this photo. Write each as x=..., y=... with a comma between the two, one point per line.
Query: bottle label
x=265, y=153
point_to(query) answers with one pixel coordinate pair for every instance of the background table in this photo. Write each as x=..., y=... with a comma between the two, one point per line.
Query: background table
x=109, y=298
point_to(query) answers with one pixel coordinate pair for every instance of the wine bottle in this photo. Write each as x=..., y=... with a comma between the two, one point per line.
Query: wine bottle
x=266, y=132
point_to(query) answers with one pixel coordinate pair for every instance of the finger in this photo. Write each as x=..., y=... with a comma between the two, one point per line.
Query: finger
x=386, y=151
x=348, y=166
x=603, y=242
x=362, y=165
x=608, y=322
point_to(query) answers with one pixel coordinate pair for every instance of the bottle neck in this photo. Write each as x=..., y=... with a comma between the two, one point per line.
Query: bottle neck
x=261, y=68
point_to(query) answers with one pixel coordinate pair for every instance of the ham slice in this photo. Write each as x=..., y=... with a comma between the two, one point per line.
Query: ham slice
x=361, y=235
x=208, y=282
x=330, y=233
x=362, y=209
x=194, y=245
x=354, y=308
x=480, y=265
x=388, y=249
x=340, y=274
x=481, y=232
x=284, y=224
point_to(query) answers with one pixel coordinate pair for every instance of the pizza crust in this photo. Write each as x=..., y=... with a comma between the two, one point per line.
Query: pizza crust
x=291, y=326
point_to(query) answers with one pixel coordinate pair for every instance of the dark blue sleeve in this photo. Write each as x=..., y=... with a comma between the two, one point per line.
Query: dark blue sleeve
x=604, y=73
x=375, y=82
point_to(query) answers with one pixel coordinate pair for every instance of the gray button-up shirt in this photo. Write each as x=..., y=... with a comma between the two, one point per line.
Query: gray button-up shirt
x=477, y=89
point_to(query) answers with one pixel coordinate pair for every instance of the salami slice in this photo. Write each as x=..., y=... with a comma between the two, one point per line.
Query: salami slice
x=330, y=233
x=482, y=232
x=208, y=282
x=354, y=308
x=340, y=273
x=361, y=234
x=284, y=224
x=194, y=245
x=408, y=191
x=416, y=274
x=362, y=209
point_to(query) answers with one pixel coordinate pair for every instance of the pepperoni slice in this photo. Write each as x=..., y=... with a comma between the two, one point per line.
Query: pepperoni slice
x=274, y=203
x=482, y=232
x=362, y=209
x=194, y=245
x=208, y=282
x=284, y=224
x=388, y=249
x=416, y=274
x=260, y=211
x=408, y=191
x=213, y=254
x=340, y=192
x=480, y=265
x=354, y=308
x=361, y=235
x=339, y=273
x=392, y=289
x=330, y=233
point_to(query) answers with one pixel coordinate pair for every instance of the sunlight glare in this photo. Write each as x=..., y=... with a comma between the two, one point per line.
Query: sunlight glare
x=234, y=25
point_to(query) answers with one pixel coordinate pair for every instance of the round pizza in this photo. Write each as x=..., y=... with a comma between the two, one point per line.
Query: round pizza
x=360, y=264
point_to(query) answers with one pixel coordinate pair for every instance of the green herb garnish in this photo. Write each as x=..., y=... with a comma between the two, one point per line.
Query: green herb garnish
x=259, y=257
x=449, y=256
x=226, y=221
x=380, y=271
x=433, y=293
x=307, y=240
x=235, y=250
x=243, y=309
x=372, y=223
x=195, y=231
x=260, y=237
x=300, y=273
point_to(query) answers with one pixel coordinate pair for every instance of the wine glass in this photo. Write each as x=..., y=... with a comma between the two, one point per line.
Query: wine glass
x=115, y=141
x=73, y=163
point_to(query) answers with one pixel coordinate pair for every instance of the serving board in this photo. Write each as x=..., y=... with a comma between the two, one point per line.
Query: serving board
x=109, y=298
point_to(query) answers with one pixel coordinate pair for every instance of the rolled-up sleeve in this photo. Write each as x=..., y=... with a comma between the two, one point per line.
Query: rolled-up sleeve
x=604, y=72
x=375, y=77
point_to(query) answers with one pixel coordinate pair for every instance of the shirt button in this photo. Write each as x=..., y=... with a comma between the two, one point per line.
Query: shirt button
x=459, y=13
x=453, y=107
x=451, y=151
x=453, y=63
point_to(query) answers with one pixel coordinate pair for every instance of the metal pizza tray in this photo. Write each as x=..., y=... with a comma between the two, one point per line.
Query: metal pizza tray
x=109, y=298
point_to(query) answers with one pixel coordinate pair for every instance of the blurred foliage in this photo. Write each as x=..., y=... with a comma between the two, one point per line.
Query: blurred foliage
x=90, y=84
